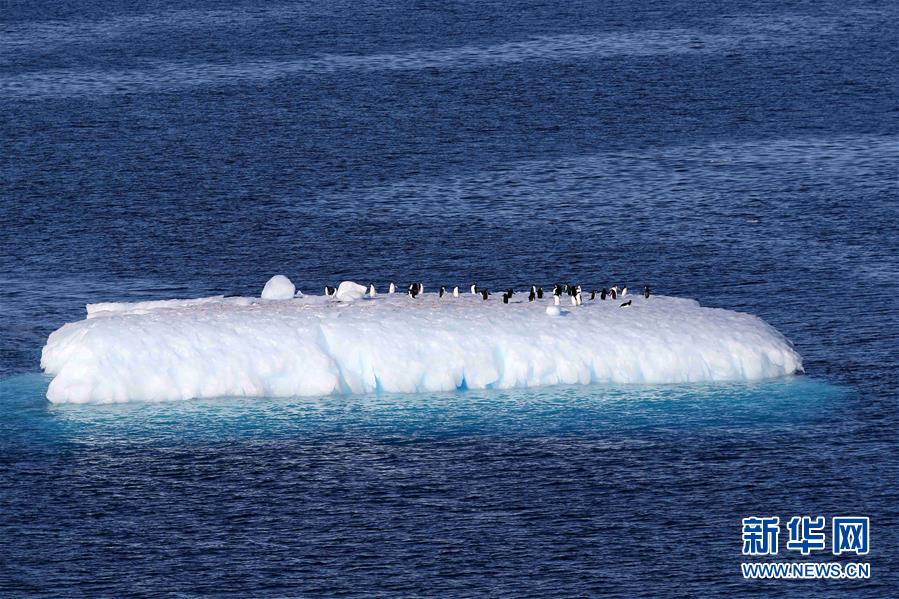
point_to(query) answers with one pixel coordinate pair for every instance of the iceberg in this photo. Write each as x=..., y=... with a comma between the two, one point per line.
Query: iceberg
x=316, y=345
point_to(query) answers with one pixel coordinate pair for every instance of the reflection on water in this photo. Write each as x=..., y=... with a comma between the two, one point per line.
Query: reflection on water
x=547, y=411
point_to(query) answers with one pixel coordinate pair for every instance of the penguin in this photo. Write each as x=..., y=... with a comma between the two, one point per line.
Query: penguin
x=392, y=288
x=534, y=289
x=421, y=287
x=532, y=295
x=624, y=291
x=613, y=293
x=456, y=291
x=573, y=299
x=330, y=291
x=511, y=292
x=557, y=290
x=626, y=304
x=505, y=298
x=474, y=289
x=539, y=292
x=414, y=290
x=484, y=294
x=372, y=291
x=557, y=300
x=579, y=298
x=442, y=291
x=603, y=294
x=646, y=291
x=593, y=295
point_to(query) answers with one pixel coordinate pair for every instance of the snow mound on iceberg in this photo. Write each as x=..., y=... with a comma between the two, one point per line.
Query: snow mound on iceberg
x=210, y=347
x=278, y=287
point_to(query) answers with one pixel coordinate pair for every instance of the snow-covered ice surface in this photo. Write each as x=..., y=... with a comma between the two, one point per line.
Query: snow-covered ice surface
x=313, y=345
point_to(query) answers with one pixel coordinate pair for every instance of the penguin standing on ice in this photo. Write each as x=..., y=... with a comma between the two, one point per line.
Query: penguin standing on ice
x=573, y=299
x=442, y=291
x=593, y=295
x=456, y=291
x=414, y=290
x=624, y=291
x=626, y=304
x=539, y=292
x=613, y=293
x=532, y=295
x=484, y=294
x=392, y=288
x=557, y=290
x=474, y=289
x=372, y=291
x=646, y=291
x=330, y=291
x=603, y=294
x=506, y=297
x=557, y=300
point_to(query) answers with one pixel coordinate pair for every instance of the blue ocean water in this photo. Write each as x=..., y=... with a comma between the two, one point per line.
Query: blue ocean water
x=743, y=155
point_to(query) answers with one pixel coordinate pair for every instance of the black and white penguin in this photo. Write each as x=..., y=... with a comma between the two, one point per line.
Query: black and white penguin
x=456, y=291
x=593, y=295
x=506, y=297
x=532, y=295
x=573, y=299
x=557, y=290
x=484, y=294
x=372, y=291
x=613, y=293
x=646, y=291
x=414, y=290
x=330, y=291
x=603, y=294
x=626, y=304
x=624, y=291
x=474, y=289
x=539, y=292
x=392, y=288
x=442, y=291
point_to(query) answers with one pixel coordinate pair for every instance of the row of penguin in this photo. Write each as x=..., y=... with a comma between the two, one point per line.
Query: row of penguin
x=573, y=292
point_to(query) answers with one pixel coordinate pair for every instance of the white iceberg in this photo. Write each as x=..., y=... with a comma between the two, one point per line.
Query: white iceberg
x=210, y=347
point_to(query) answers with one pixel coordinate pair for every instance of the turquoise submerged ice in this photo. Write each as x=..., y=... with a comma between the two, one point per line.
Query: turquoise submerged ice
x=313, y=345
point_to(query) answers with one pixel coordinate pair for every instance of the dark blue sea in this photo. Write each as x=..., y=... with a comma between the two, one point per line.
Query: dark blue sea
x=743, y=154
